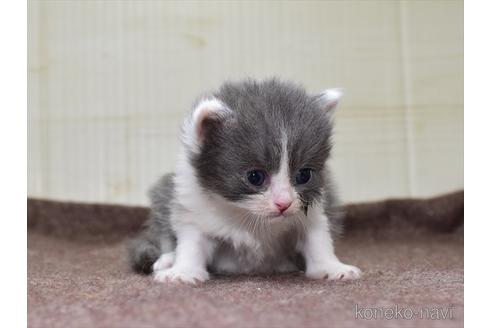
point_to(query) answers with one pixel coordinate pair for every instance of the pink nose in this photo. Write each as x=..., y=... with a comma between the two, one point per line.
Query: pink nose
x=282, y=205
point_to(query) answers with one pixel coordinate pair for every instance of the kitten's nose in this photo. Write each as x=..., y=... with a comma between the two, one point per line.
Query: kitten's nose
x=282, y=205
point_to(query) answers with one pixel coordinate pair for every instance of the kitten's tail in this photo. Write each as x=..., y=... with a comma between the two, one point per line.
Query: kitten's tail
x=143, y=253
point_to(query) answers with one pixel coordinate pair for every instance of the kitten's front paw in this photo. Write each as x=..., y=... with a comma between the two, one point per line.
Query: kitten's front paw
x=335, y=271
x=165, y=261
x=188, y=276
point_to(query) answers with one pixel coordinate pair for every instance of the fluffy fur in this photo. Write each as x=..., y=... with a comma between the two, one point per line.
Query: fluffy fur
x=208, y=217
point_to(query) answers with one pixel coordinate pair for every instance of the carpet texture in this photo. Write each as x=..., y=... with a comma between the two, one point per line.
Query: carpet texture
x=411, y=253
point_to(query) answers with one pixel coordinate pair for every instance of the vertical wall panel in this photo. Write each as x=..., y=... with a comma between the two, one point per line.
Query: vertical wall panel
x=435, y=78
x=110, y=81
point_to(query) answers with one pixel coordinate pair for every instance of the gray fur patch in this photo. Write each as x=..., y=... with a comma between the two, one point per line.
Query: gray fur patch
x=157, y=236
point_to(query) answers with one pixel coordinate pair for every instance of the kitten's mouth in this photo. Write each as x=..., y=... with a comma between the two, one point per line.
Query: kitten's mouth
x=275, y=217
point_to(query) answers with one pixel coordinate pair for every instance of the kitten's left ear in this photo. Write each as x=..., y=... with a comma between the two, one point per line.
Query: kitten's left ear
x=329, y=99
x=207, y=115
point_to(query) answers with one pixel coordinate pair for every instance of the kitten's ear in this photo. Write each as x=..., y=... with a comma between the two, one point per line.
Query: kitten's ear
x=207, y=115
x=329, y=99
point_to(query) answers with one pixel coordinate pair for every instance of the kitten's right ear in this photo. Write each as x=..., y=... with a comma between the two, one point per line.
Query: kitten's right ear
x=206, y=115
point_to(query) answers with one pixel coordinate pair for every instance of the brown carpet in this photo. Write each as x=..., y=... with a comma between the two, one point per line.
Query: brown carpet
x=411, y=253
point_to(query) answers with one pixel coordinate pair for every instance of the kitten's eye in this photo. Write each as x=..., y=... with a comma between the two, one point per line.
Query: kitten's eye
x=303, y=176
x=256, y=177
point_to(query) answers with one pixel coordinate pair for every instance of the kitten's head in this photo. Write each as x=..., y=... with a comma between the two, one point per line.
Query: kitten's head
x=262, y=146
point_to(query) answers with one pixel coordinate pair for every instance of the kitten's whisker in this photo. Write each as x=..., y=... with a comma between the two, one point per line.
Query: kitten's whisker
x=248, y=222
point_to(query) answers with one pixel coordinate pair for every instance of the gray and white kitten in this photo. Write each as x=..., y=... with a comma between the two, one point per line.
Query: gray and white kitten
x=251, y=192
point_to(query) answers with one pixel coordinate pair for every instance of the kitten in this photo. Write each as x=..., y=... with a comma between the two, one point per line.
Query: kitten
x=251, y=192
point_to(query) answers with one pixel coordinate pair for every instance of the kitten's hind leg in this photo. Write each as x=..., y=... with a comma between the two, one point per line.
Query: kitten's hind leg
x=143, y=252
x=165, y=261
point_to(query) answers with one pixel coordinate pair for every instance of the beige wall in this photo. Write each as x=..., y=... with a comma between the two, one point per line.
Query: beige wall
x=109, y=82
